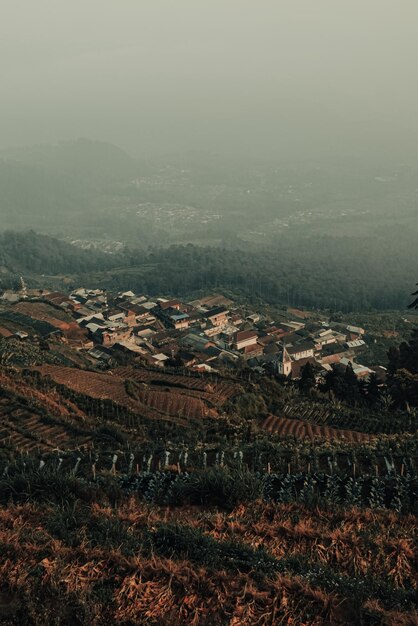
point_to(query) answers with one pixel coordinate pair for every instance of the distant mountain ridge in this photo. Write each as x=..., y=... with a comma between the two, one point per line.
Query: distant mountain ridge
x=93, y=161
x=49, y=187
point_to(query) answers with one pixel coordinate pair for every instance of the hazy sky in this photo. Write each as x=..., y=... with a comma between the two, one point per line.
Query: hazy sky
x=253, y=76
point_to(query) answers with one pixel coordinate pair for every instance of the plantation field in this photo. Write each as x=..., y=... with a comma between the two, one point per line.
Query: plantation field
x=216, y=389
x=302, y=429
x=168, y=401
x=44, y=312
x=15, y=321
x=32, y=421
x=322, y=412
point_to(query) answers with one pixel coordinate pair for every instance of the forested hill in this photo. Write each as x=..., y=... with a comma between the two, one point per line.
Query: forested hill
x=340, y=273
x=337, y=273
x=31, y=253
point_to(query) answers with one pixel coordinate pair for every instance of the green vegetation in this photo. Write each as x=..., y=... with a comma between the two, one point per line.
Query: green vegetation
x=282, y=274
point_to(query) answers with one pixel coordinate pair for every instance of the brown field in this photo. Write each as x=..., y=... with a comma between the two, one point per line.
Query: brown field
x=22, y=427
x=219, y=390
x=26, y=432
x=50, y=573
x=45, y=313
x=151, y=402
x=301, y=314
x=285, y=426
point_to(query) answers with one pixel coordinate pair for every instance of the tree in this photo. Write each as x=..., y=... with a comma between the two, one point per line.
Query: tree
x=307, y=380
x=334, y=381
x=404, y=389
x=394, y=357
x=351, y=386
x=373, y=389
x=408, y=353
x=414, y=304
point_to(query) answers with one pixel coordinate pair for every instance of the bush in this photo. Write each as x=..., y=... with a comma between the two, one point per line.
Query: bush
x=221, y=487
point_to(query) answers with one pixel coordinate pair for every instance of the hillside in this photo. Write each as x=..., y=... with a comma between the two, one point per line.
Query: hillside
x=315, y=276
x=116, y=505
x=33, y=254
x=129, y=562
x=163, y=495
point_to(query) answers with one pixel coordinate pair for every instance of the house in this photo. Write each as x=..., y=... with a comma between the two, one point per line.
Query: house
x=214, y=332
x=158, y=359
x=292, y=326
x=381, y=373
x=110, y=334
x=357, y=343
x=180, y=321
x=129, y=346
x=10, y=297
x=196, y=342
x=252, y=351
x=210, y=302
x=76, y=337
x=254, y=318
x=324, y=338
x=174, y=318
x=303, y=350
x=217, y=316
x=100, y=354
x=134, y=312
x=149, y=305
x=327, y=337
x=236, y=319
x=266, y=340
x=138, y=300
x=127, y=295
x=356, y=330
x=169, y=304
x=361, y=371
x=332, y=353
x=145, y=332
x=244, y=338
x=57, y=298
x=187, y=358
x=297, y=366
x=115, y=315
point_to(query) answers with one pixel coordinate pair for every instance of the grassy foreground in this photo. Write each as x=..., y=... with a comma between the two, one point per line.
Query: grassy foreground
x=80, y=552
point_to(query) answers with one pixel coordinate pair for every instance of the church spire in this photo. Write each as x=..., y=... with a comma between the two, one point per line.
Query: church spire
x=285, y=362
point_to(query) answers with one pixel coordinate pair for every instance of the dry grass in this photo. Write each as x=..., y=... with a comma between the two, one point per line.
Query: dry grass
x=96, y=581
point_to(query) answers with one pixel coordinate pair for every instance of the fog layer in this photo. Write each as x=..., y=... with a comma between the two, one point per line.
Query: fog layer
x=272, y=77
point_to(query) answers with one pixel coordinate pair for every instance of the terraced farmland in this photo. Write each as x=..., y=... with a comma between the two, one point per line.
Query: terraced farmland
x=219, y=390
x=44, y=312
x=27, y=431
x=301, y=429
x=152, y=402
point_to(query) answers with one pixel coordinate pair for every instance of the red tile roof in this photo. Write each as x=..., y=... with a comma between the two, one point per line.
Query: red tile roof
x=242, y=335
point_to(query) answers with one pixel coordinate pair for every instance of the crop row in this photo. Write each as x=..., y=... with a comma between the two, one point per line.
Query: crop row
x=285, y=426
x=399, y=493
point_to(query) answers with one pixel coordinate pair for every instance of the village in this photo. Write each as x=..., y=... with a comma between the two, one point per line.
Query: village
x=210, y=334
